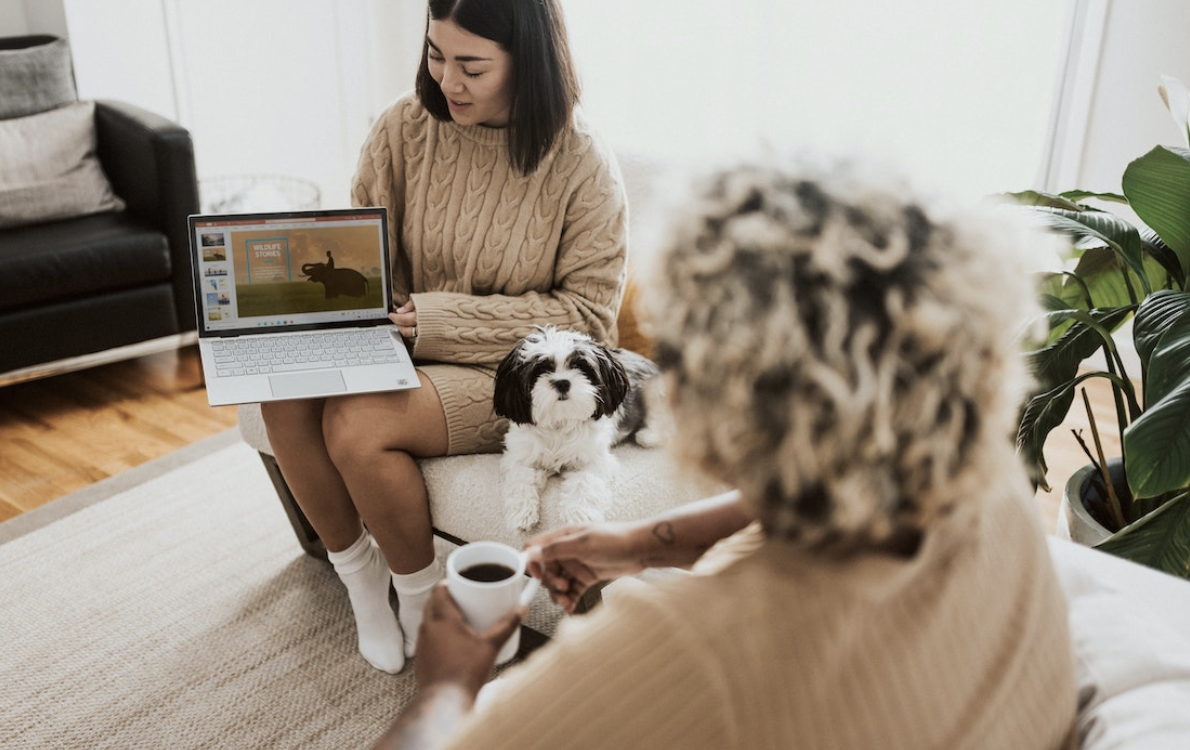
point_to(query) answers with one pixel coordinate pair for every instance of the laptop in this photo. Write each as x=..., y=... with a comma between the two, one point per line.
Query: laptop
x=295, y=305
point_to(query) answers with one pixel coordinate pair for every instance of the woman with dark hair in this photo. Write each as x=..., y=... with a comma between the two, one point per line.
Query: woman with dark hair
x=544, y=86
x=505, y=211
x=842, y=350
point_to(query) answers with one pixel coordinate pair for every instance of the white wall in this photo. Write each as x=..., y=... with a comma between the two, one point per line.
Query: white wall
x=266, y=87
x=12, y=18
x=46, y=17
x=121, y=50
x=959, y=91
x=1109, y=112
x=20, y=17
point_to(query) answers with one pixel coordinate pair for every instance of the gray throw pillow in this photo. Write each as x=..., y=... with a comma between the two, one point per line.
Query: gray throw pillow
x=48, y=167
x=35, y=79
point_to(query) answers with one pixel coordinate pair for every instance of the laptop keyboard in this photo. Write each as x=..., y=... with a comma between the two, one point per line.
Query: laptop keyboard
x=257, y=355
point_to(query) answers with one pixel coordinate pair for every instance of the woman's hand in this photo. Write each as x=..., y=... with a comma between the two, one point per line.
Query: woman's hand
x=405, y=318
x=574, y=558
x=453, y=662
x=449, y=651
x=570, y=560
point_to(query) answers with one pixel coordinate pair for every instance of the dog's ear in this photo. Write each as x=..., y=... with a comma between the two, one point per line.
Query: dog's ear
x=513, y=397
x=613, y=378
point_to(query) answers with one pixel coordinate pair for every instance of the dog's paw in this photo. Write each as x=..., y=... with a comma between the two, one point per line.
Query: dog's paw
x=582, y=513
x=585, y=493
x=521, y=507
x=522, y=519
x=647, y=437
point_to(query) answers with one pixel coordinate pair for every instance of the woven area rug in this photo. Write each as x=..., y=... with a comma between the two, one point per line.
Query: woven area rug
x=171, y=607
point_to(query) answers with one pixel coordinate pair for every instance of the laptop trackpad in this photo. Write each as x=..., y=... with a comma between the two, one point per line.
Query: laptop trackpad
x=298, y=384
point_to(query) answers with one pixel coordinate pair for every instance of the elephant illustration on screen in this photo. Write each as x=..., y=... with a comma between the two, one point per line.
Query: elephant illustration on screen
x=344, y=282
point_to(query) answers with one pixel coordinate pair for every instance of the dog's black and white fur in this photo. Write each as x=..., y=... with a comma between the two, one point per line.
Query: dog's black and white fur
x=568, y=399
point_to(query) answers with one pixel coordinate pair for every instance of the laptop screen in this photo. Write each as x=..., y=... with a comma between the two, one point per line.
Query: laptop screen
x=295, y=270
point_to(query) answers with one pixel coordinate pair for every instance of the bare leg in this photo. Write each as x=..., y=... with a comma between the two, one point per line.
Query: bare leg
x=295, y=434
x=373, y=440
x=350, y=462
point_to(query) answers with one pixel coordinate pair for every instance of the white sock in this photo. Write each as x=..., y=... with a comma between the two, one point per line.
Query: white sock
x=413, y=591
x=364, y=572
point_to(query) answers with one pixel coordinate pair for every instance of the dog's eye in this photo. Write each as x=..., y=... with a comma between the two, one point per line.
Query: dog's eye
x=542, y=367
x=584, y=366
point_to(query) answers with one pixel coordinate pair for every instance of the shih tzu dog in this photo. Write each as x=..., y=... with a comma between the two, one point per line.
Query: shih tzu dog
x=569, y=399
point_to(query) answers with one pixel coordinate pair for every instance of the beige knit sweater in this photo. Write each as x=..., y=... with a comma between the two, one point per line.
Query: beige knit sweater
x=965, y=646
x=486, y=252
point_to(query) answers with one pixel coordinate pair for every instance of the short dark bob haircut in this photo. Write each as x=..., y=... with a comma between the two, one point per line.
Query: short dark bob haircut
x=545, y=86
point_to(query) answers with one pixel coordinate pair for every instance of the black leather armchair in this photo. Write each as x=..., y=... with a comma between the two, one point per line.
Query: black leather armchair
x=78, y=288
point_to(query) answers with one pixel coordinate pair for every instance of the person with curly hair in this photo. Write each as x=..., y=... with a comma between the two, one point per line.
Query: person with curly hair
x=844, y=352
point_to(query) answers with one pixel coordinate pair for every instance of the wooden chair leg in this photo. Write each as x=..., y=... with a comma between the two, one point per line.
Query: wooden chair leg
x=531, y=640
x=590, y=599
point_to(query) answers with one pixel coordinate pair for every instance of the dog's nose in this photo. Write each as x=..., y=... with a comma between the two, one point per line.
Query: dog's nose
x=563, y=386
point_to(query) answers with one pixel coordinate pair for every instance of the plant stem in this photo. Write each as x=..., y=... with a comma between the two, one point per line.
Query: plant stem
x=1113, y=502
x=1113, y=360
x=1078, y=436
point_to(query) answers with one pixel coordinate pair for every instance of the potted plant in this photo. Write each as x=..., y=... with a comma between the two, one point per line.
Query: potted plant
x=1124, y=272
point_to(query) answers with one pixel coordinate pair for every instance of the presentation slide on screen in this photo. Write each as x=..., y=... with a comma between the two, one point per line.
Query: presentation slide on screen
x=281, y=274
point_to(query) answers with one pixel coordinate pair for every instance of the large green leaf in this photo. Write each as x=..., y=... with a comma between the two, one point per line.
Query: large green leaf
x=1081, y=195
x=1161, y=332
x=1098, y=227
x=1106, y=280
x=1157, y=445
x=1100, y=279
x=1156, y=249
x=1158, y=188
x=1041, y=414
x=1056, y=368
x=1070, y=199
x=1038, y=198
x=1160, y=540
x=1059, y=362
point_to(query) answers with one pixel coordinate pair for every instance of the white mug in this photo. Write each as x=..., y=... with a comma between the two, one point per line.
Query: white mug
x=487, y=580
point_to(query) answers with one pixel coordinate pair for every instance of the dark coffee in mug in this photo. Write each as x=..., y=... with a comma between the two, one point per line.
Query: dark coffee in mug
x=487, y=572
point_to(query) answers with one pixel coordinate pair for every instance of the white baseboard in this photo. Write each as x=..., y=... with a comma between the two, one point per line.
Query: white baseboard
x=70, y=364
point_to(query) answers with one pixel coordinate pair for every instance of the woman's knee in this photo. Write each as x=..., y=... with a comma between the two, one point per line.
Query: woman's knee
x=292, y=420
x=351, y=434
x=409, y=422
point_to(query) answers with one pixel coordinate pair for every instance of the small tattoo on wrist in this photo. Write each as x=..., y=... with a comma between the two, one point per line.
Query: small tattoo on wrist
x=665, y=532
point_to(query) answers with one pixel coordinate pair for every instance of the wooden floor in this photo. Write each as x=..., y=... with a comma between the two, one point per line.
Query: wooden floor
x=60, y=434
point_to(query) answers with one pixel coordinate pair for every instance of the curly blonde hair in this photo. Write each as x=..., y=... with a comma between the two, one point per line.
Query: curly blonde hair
x=840, y=349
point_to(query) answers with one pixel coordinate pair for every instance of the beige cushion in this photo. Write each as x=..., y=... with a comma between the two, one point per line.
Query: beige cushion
x=632, y=335
x=48, y=167
x=465, y=497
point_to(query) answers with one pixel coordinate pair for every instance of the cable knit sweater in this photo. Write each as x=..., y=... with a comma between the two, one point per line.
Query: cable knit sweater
x=486, y=252
x=767, y=646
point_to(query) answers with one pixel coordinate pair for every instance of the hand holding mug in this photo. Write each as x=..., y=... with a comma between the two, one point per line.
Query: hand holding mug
x=487, y=580
x=572, y=559
x=449, y=651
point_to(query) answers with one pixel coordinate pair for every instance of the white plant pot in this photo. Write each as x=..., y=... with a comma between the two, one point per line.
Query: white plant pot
x=1074, y=522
